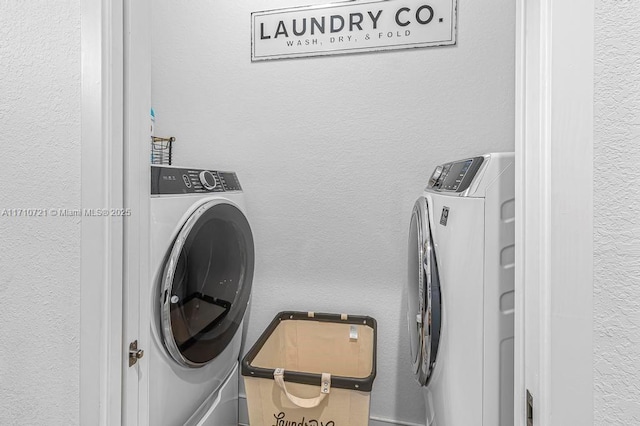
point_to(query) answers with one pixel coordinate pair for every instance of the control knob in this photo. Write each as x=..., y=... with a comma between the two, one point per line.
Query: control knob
x=208, y=180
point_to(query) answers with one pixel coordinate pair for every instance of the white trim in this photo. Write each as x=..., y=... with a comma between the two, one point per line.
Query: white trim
x=554, y=213
x=520, y=83
x=101, y=181
x=137, y=77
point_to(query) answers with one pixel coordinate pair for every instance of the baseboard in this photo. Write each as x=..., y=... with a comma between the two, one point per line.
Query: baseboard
x=243, y=417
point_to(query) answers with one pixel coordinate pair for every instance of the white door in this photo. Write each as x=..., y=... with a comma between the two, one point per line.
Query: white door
x=137, y=105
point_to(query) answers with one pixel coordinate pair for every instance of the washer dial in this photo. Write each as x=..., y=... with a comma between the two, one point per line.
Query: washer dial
x=208, y=180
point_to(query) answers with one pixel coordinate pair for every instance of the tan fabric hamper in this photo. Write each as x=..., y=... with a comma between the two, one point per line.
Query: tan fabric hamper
x=311, y=369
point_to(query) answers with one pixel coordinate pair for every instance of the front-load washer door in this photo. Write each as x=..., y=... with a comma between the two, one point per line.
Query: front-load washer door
x=206, y=283
x=424, y=305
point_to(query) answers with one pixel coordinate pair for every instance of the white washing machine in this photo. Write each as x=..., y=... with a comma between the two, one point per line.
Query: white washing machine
x=202, y=255
x=460, y=292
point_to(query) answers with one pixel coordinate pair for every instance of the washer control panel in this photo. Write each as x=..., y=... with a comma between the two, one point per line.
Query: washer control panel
x=177, y=180
x=455, y=176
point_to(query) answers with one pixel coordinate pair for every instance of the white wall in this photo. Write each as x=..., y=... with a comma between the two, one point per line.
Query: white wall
x=332, y=152
x=617, y=213
x=39, y=168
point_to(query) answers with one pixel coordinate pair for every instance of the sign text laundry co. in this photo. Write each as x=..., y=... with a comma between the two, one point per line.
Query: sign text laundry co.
x=352, y=27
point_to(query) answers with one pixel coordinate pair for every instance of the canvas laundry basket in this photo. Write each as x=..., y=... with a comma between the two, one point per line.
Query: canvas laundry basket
x=311, y=369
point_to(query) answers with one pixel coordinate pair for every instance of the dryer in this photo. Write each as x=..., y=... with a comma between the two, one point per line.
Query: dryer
x=202, y=255
x=460, y=291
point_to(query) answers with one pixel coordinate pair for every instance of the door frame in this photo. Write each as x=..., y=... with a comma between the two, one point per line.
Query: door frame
x=554, y=128
x=554, y=211
x=115, y=103
x=137, y=185
x=101, y=348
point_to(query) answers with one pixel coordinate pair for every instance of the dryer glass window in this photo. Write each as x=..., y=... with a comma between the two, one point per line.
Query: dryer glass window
x=436, y=302
x=414, y=283
x=207, y=284
x=424, y=301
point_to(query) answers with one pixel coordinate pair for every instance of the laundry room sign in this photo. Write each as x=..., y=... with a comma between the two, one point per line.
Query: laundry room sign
x=352, y=27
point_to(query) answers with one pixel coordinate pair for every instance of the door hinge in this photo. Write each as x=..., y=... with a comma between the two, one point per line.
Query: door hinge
x=529, y=408
x=134, y=353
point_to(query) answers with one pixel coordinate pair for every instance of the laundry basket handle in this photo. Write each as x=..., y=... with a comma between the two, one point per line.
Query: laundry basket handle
x=325, y=388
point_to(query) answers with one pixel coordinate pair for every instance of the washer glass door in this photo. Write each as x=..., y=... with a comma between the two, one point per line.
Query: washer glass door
x=424, y=297
x=206, y=283
x=415, y=288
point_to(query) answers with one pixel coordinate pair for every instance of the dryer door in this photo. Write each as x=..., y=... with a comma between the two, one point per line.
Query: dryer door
x=206, y=283
x=423, y=298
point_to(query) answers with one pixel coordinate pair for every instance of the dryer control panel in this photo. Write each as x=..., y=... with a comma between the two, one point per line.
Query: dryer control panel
x=455, y=176
x=177, y=180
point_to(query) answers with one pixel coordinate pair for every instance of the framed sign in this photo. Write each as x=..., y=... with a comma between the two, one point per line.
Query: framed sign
x=352, y=27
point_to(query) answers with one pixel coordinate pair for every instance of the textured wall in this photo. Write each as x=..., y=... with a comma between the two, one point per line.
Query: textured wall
x=39, y=168
x=617, y=213
x=332, y=153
